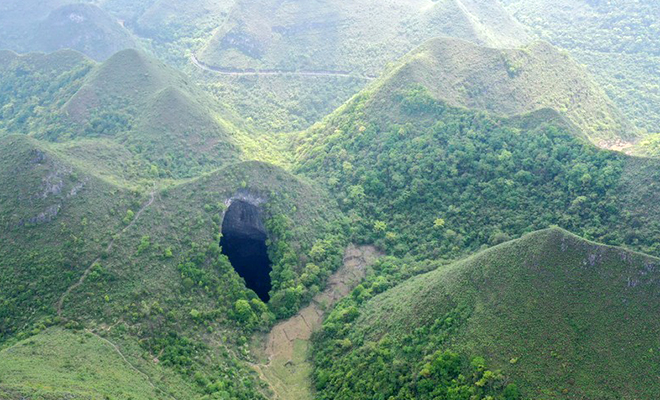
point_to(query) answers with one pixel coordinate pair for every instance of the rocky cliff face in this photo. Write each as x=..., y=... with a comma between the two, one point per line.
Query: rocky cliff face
x=243, y=220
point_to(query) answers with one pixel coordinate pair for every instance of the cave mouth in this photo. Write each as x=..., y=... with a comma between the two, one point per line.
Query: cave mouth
x=244, y=243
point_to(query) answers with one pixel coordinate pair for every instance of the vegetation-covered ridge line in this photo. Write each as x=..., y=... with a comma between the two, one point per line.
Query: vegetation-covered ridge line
x=60, y=303
x=274, y=72
x=539, y=232
x=493, y=307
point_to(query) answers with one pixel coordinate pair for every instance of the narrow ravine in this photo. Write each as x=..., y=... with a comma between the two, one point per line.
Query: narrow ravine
x=284, y=351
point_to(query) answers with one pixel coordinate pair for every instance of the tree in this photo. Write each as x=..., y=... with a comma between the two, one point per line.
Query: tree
x=243, y=311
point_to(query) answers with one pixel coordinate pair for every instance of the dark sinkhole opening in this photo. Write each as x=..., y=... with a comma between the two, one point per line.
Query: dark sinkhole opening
x=244, y=243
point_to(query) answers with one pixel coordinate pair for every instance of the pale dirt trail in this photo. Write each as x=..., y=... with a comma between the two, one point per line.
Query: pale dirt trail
x=80, y=281
x=220, y=71
x=287, y=369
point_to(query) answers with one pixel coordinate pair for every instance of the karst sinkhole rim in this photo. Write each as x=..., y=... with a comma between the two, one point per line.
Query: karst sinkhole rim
x=244, y=243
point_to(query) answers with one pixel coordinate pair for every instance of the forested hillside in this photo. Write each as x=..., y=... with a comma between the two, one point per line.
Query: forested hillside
x=164, y=123
x=145, y=270
x=546, y=316
x=421, y=177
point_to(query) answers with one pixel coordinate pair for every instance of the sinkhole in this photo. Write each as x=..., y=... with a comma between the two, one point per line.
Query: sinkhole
x=244, y=243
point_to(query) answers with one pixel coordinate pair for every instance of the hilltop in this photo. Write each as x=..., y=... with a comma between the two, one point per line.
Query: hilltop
x=358, y=37
x=52, y=25
x=423, y=177
x=83, y=27
x=153, y=111
x=556, y=315
x=512, y=81
x=617, y=41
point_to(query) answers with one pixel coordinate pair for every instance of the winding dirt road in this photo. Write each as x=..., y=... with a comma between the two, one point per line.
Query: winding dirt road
x=286, y=367
x=270, y=72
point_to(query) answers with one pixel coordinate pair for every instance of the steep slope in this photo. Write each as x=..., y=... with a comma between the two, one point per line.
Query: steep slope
x=55, y=219
x=166, y=284
x=559, y=316
x=34, y=87
x=129, y=75
x=61, y=364
x=156, y=112
x=509, y=82
x=83, y=27
x=359, y=37
x=618, y=41
x=145, y=271
x=422, y=177
x=171, y=127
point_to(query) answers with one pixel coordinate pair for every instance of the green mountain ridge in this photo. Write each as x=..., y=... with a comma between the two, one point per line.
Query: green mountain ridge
x=83, y=27
x=558, y=315
x=261, y=34
x=398, y=159
x=156, y=112
x=510, y=82
x=434, y=183
x=618, y=42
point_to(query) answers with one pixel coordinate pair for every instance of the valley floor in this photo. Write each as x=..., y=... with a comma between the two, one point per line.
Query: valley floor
x=283, y=352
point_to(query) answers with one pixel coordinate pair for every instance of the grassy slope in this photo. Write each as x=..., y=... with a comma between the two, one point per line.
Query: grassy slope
x=365, y=35
x=60, y=364
x=83, y=27
x=34, y=87
x=617, y=41
x=577, y=318
x=510, y=82
x=55, y=219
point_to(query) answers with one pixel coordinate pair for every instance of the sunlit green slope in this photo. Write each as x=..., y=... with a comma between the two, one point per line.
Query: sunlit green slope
x=617, y=41
x=510, y=82
x=360, y=36
x=421, y=176
x=559, y=316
